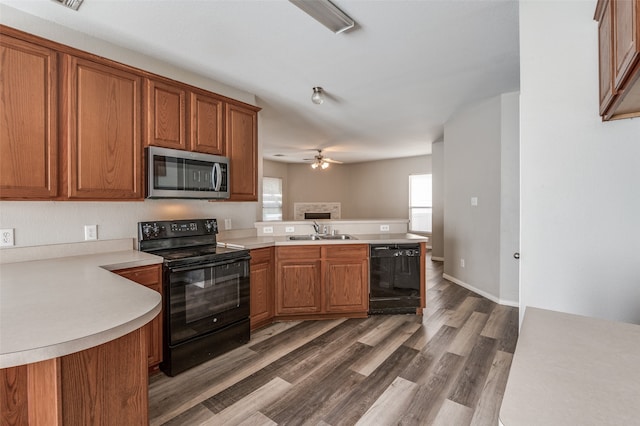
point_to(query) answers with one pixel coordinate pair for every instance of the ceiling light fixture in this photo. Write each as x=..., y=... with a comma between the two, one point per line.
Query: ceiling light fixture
x=327, y=13
x=320, y=163
x=73, y=4
x=318, y=95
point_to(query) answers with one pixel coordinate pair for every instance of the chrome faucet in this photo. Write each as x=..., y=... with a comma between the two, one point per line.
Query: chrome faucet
x=316, y=227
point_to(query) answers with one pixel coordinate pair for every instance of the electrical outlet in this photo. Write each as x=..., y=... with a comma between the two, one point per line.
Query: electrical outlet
x=462, y=263
x=384, y=228
x=227, y=224
x=6, y=237
x=289, y=229
x=90, y=232
x=267, y=230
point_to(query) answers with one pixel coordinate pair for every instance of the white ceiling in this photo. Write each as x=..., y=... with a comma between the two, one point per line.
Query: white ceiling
x=392, y=82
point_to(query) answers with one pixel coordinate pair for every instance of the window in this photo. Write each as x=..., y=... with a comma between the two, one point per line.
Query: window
x=420, y=203
x=271, y=198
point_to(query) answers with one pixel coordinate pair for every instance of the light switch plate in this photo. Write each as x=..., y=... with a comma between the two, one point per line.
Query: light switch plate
x=474, y=201
x=227, y=224
x=6, y=237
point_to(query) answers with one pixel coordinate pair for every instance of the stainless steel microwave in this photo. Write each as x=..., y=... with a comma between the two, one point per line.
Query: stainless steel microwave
x=172, y=173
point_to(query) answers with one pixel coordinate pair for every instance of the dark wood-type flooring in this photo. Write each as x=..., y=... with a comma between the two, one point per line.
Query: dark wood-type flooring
x=449, y=367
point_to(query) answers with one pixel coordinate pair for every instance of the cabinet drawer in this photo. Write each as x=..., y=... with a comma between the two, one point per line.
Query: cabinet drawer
x=358, y=251
x=146, y=275
x=261, y=255
x=298, y=252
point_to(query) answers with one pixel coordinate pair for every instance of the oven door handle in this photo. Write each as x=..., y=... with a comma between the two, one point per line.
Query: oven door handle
x=210, y=265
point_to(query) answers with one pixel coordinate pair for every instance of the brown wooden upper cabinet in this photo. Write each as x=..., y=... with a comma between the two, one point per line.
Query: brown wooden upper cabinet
x=619, y=58
x=242, y=150
x=28, y=111
x=179, y=117
x=101, y=127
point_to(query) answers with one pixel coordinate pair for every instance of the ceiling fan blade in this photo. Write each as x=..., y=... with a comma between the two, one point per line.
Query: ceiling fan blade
x=329, y=160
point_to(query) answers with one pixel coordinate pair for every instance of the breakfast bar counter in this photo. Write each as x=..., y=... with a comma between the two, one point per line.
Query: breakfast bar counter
x=573, y=370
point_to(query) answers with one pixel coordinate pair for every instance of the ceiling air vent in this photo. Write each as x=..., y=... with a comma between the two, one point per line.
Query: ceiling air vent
x=73, y=4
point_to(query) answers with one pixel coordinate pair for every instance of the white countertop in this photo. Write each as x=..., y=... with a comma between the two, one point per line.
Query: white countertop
x=54, y=307
x=260, y=242
x=573, y=370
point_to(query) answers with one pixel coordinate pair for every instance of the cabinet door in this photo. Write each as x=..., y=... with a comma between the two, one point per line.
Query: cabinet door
x=206, y=124
x=102, y=131
x=346, y=279
x=626, y=38
x=262, y=282
x=28, y=112
x=151, y=277
x=242, y=150
x=605, y=58
x=165, y=115
x=298, y=287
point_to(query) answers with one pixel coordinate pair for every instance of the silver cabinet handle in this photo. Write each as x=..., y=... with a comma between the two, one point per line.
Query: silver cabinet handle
x=516, y=255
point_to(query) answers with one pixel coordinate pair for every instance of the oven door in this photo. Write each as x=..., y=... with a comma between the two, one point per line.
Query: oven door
x=204, y=298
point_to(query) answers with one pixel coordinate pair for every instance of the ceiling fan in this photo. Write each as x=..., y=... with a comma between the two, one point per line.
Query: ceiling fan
x=321, y=161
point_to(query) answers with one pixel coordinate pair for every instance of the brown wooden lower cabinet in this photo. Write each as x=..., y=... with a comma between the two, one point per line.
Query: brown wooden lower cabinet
x=103, y=385
x=322, y=281
x=151, y=277
x=262, y=277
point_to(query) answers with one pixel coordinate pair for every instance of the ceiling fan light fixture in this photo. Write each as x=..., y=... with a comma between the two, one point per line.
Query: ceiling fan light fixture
x=314, y=165
x=324, y=165
x=318, y=95
x=327, y=13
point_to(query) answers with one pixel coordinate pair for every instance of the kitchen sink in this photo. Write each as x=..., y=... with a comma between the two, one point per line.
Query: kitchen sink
x=314, y=237
x=337, y=237
x=303, y=237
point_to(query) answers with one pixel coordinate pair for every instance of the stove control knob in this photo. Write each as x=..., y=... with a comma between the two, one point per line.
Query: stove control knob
x=211, y=226
x=150, y=230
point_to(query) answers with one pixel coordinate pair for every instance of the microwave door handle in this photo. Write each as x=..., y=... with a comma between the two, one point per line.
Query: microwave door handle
x=217, y=176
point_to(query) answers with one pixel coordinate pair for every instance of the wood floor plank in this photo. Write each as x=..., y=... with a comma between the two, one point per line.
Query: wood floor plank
x=477, y=366
x=368, y=363
x=353, y=405
x=291, y=367
x=257, y=419
x=196, y=415
x=389, y=323
x=463, y=311
x=420, y=368
x=452, y=413
x=488, y=407
x=306, y=398
x=252, y=403
x=466, y=337
x=391, y=405
x=210, y=378
x=429, y=398
x=432, y=325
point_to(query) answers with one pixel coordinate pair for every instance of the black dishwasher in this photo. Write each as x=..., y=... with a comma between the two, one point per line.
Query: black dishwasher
x=394, y=278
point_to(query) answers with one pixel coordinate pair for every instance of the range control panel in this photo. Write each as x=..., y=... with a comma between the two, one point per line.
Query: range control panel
x=176, y=228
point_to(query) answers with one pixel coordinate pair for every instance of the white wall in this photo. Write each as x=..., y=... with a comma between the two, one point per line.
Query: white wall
x=370, y=190
x=580, y=177
x=474, y=142
x=509, y=196
x=380, y=189
x=437, y=234
x=38, y=223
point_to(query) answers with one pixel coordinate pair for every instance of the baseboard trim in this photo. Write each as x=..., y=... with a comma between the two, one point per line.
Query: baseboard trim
x=437, y=258
x=482, y=293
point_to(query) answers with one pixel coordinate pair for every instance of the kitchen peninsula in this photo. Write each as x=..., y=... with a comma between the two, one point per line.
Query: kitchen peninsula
x=72, y=338
x=298, y=274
